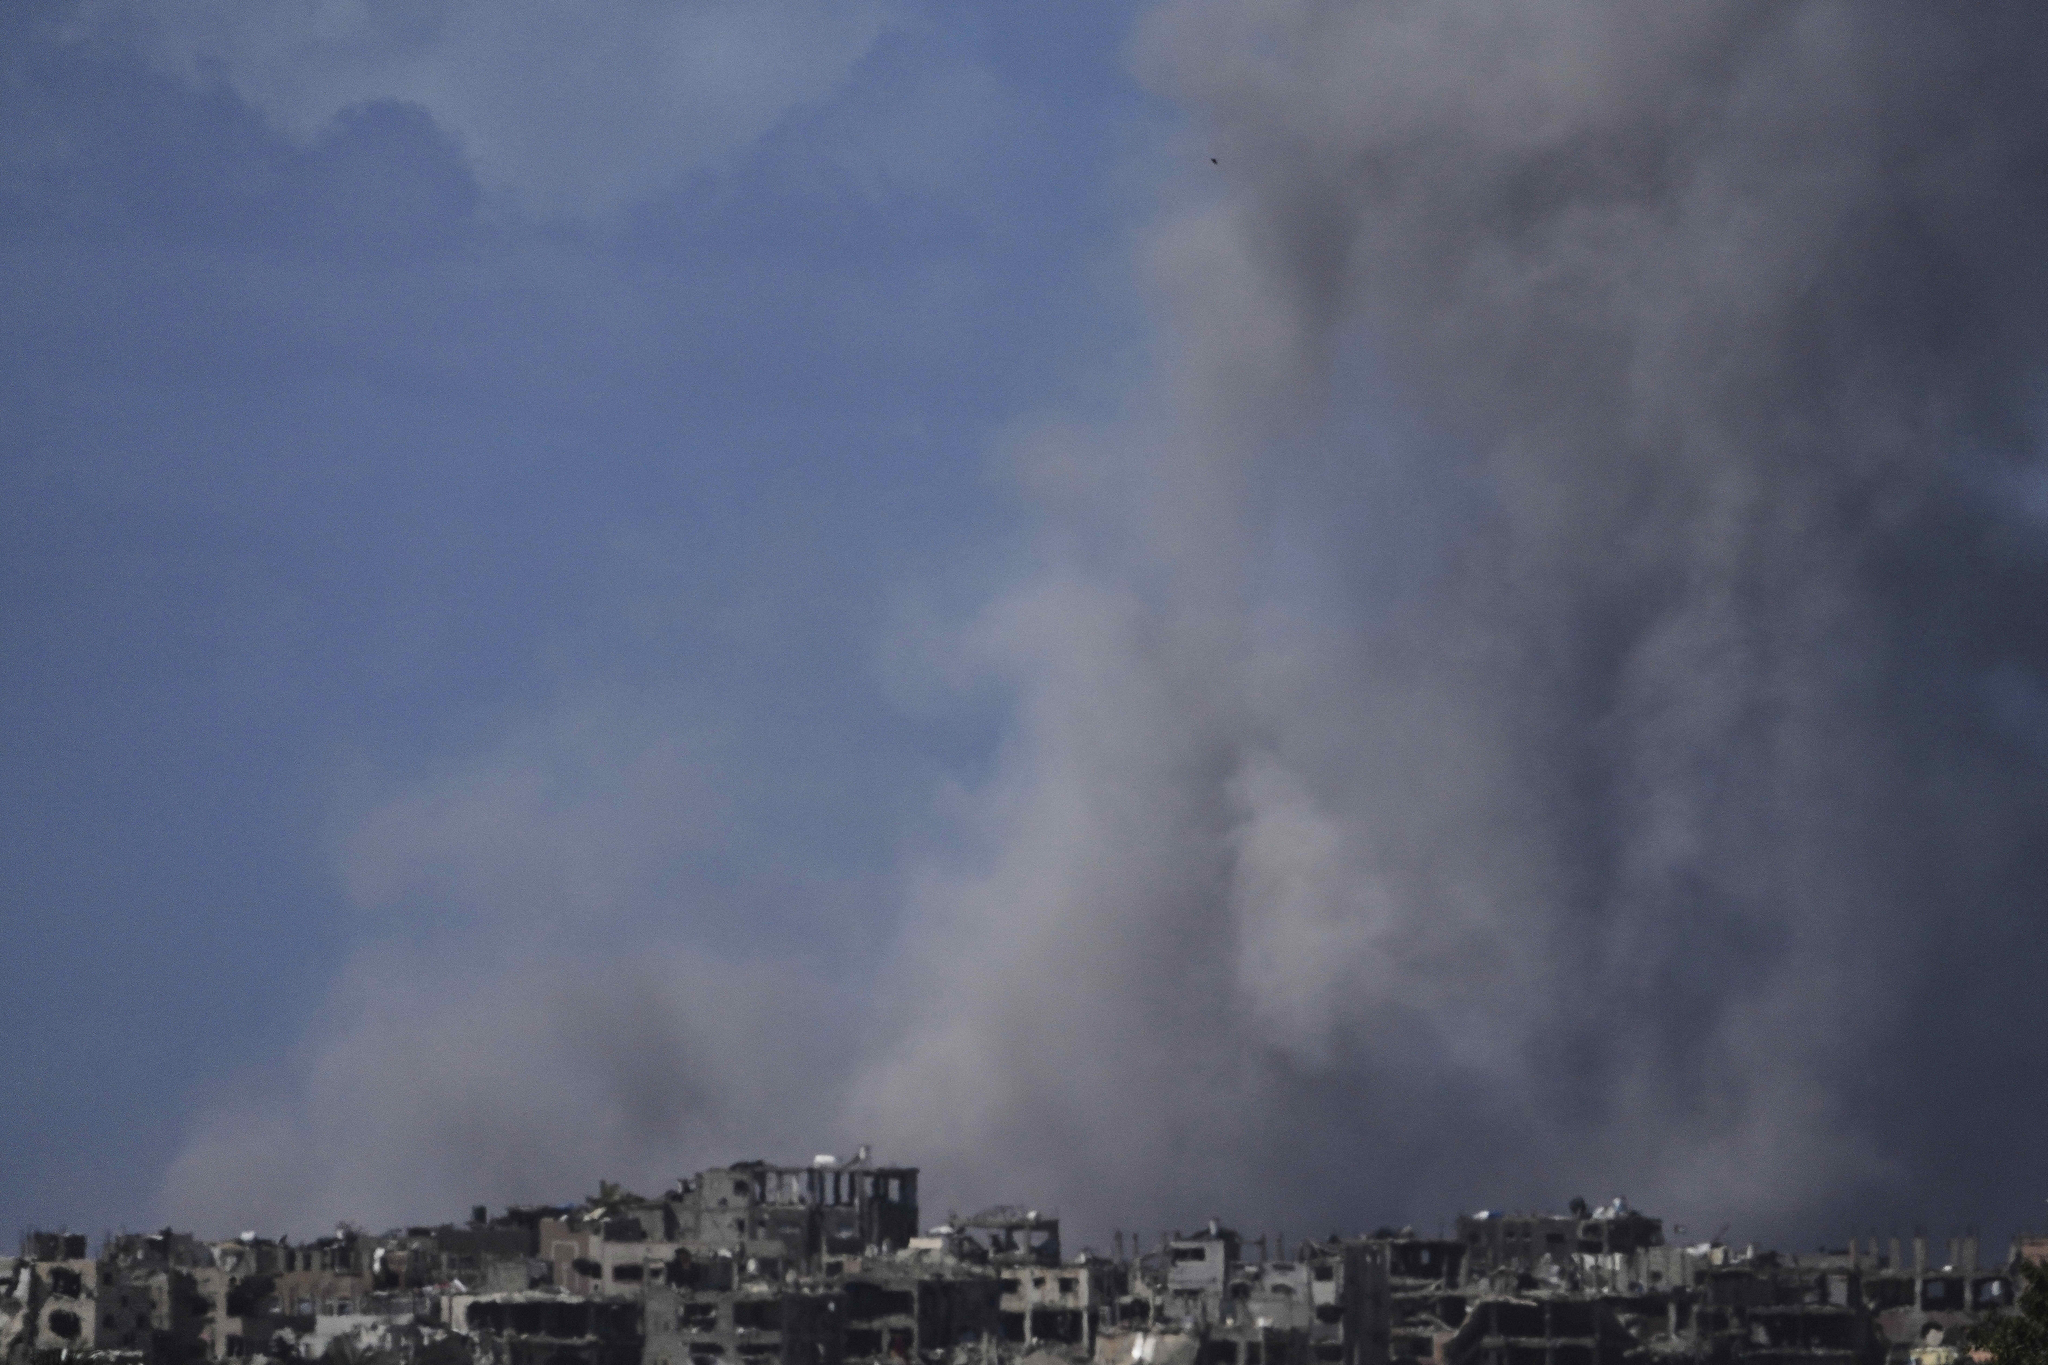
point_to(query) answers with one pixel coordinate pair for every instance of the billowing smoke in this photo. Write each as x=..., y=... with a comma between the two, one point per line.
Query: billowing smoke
x=1542, y=691
x=1545, y=694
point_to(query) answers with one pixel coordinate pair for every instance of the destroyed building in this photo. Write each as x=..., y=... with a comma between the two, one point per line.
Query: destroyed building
x=1327, y=1304
x=1494, y=1241
x=825, y=1263
x=1045, y=1299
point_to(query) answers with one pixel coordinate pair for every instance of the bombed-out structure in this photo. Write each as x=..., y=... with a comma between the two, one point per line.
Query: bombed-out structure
x=827, y=1263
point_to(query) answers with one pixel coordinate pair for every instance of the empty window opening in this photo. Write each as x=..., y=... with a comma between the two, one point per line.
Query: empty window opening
x=1056, y=1324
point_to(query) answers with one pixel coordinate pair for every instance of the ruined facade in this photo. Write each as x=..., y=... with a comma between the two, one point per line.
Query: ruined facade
x=826, y=1264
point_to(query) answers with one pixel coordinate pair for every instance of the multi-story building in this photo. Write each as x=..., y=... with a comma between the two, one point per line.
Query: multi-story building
x=902, y=1308
x=1329, y=1305
x=1045, y=1297
x=1426, y=1300
x=1524, y=1242
x=537, y=1328
x=49, y=1298
x=831, y=1207
x=821, y=1264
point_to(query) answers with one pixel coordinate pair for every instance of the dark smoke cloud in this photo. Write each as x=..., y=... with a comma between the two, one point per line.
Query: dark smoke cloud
x=1667, y=832
x=1540, y=694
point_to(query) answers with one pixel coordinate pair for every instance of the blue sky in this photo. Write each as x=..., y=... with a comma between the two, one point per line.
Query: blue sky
x=328, y=466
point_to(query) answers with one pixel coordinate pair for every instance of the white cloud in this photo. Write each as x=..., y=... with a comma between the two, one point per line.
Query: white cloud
x=567, y=108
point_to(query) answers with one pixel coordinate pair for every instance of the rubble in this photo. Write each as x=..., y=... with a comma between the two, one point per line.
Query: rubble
x=825, y=1264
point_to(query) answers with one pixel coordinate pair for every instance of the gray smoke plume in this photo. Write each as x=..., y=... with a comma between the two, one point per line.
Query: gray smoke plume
x=1544, y=695
x=1539, y=694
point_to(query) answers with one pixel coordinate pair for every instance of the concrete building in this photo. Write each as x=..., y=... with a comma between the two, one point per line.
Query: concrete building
x=1547, y=1329
x=546, y=1328
x=831, y=1207
x=822, y=1264
x=1045, y=1298
x=1524, y=1242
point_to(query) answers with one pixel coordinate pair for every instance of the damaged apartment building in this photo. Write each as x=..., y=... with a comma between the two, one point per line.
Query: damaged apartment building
x=827, y=1263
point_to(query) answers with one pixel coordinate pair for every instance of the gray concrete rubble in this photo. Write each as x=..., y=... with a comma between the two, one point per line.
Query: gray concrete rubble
x=826, y=1263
